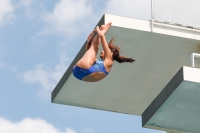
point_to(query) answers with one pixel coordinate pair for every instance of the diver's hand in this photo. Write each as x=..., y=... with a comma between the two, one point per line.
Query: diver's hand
x=99, y=32
x=104, y=28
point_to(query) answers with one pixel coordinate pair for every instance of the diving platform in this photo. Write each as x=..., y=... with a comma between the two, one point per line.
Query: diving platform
x=160, y=85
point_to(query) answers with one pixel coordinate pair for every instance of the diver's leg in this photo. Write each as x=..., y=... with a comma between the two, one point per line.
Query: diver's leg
x=89, y=57
x=89, y=40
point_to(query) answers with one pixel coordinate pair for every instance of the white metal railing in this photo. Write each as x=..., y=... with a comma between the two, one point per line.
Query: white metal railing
x=195, y=60
x=184, y=13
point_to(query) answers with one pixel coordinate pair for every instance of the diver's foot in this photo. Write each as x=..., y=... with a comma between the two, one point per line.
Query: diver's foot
x=104, y=28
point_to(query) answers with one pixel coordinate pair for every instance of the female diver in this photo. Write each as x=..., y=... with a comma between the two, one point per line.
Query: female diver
x=88, y=68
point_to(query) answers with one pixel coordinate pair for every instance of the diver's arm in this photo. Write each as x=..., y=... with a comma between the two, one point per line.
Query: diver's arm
x=108, y=54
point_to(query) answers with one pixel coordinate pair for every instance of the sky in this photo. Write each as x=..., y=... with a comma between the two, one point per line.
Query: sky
x=38, y=41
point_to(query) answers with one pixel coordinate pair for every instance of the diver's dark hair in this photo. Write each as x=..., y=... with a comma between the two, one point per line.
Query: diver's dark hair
x=116, y=56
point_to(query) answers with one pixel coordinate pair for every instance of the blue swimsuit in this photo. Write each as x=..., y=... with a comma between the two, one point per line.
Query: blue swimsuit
x=98, y=66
